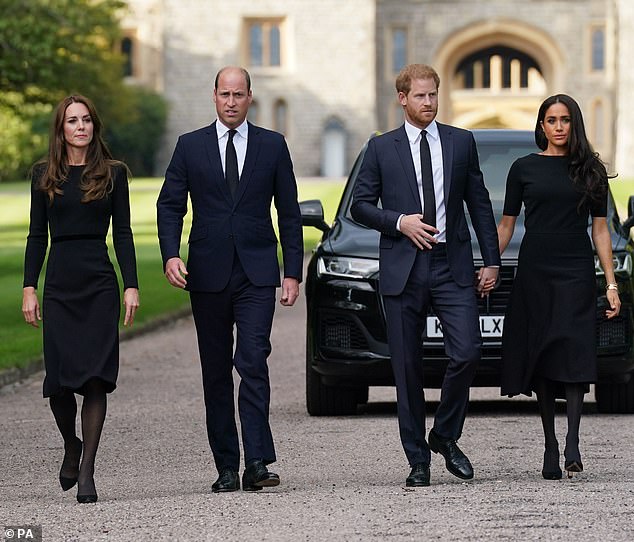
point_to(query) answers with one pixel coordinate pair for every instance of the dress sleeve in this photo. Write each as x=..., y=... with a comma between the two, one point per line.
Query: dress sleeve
x=514, y=193
x=37, y=239
x=600, y=208
x=121, y=230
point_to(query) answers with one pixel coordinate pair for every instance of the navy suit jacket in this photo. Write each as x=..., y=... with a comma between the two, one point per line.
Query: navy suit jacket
x=222, y=225
x=387, y=174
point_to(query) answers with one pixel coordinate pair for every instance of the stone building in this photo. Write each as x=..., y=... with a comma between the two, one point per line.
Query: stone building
x=323, y=70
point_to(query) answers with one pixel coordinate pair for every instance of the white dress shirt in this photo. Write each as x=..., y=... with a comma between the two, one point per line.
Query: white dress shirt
x=239, y=142
x=435, y=147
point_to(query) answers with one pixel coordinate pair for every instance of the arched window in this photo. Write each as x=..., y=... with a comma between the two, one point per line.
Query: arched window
x=254, y=112
x=598, y=49
x=495, y=67
x=333, y=149
x=127, y=50
x=280, y=116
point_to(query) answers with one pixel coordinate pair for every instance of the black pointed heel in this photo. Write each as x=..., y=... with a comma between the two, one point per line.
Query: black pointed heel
x=70, y=463
x=573, y=466
x=551, y=470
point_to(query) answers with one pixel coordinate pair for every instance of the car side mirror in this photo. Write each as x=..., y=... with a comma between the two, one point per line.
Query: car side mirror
x=630, y=214
x=312, y=213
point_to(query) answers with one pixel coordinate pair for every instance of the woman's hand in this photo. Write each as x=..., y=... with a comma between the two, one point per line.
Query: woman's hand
x=31, y=306
x=615, y=303
x=131, y=302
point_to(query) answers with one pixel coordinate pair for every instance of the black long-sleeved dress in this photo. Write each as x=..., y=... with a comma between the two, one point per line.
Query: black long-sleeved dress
x=81, y=301
x=550, y=323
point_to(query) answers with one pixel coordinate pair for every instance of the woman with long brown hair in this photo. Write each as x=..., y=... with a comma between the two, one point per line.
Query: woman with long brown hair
x=549, y=339
x=75, y=193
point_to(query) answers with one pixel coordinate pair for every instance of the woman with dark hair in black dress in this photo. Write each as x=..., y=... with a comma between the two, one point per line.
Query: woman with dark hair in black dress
x=549, y=341
x=75, y=193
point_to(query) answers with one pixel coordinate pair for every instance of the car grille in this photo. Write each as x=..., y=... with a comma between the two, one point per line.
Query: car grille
x=341, y=331
x=614, y=334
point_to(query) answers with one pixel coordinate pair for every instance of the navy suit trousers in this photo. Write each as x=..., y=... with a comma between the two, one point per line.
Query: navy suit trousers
x=250, y=308
x=430, y=283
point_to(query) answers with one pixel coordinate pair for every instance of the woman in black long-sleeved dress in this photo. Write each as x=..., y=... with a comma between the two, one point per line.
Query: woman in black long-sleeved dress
x=75, y=193
x=549, y=339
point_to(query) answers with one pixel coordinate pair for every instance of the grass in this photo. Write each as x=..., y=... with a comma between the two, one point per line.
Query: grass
x=20, y=344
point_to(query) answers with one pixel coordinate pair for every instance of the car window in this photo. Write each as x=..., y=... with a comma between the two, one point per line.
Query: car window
x=495, y=162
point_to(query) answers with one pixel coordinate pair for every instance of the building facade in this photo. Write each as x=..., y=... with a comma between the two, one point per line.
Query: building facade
x=323, y=71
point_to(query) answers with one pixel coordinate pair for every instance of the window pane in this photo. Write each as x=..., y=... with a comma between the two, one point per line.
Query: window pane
x=280, y=116
x=399, y=49
x=598, y=49
x=274, y=46
x=255, y=45
x=126, y=50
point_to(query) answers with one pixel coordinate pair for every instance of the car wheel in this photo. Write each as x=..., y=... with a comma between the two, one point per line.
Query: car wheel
x=615, y=398
x=322, y=400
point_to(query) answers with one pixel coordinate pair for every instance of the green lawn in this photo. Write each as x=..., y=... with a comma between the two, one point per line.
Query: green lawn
x=20, y=343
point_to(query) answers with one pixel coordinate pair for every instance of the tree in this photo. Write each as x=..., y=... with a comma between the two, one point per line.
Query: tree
x=49, y=48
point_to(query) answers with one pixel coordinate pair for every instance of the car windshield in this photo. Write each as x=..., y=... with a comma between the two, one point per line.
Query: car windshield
x=496, y=151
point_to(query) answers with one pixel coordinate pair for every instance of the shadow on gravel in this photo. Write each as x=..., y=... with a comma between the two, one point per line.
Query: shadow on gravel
x=475, y=408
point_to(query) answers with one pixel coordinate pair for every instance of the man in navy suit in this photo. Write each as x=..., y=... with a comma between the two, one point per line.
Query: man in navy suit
x=412, y=187
x=232, y=170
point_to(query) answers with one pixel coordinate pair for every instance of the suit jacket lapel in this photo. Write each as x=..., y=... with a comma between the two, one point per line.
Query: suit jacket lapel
x=405, y=156
x=446, y=141
x=254, y=142
x=215, y=162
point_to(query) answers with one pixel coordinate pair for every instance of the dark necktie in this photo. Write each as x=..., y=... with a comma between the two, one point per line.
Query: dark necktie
x=427, y=177
x=231, y=164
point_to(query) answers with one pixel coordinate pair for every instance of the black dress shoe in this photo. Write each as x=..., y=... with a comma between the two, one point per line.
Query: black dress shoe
x=551, y=470
x=419, y=476
x=87, y=499
x=256, y=476
x=457, y=463
x=227, y=481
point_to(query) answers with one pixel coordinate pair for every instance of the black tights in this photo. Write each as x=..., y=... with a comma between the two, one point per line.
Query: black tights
x=545, y=390
x=93, y=414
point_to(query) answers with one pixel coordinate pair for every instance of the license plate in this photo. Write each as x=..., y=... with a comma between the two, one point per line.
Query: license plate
x=490, y=326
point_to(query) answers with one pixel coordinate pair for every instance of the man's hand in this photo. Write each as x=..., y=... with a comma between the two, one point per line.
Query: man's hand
x=487, y=277
x=131, y=303
x=290, y=291
x=421, y=234
x=175, y=271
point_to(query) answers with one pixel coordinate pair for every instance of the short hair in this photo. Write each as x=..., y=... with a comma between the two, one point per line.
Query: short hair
x=415, y=71
x=247, y=77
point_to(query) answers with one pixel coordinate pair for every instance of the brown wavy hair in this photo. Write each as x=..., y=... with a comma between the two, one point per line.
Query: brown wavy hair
x=97, y=177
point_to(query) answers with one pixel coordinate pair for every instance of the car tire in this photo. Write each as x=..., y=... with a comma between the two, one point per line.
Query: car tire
x=615, y=397
x=322, y=400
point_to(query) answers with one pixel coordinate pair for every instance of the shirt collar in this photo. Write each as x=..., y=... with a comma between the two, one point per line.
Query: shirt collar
x=221, y=129
x=413, y=133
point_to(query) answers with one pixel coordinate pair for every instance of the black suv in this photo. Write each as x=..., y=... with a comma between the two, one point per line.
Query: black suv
x=346, y=343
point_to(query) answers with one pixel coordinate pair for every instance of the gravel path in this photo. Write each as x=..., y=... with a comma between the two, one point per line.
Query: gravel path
x=342, y=478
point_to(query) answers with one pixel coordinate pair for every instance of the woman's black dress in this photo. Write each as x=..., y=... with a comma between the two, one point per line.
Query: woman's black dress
x=81, y=302
x=550, y=324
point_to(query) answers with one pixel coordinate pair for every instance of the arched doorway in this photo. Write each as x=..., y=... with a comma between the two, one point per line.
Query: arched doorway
x=494, y=74
x=333, y=149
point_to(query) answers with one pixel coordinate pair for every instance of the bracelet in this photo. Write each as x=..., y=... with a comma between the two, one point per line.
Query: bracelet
x=612, y=286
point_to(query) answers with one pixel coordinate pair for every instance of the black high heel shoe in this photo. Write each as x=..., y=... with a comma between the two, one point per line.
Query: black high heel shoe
x=70, y=463
x=551, y=470
x=572, y=466
x=88, y=497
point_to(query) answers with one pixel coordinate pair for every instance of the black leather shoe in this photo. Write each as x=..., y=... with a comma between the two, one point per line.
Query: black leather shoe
x=256, y=476
x=227, y=481
x=419, y=476
x=457, y=463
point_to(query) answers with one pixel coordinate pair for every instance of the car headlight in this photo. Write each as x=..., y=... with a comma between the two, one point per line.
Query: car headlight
x=622, y=262
x=338, y=266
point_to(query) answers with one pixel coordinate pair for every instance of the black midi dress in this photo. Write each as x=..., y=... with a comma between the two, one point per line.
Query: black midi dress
x=81, y=301
x=550, y=323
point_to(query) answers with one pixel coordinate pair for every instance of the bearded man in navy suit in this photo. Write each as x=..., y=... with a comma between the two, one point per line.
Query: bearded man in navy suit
x=412, y=187
x=232, y=170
